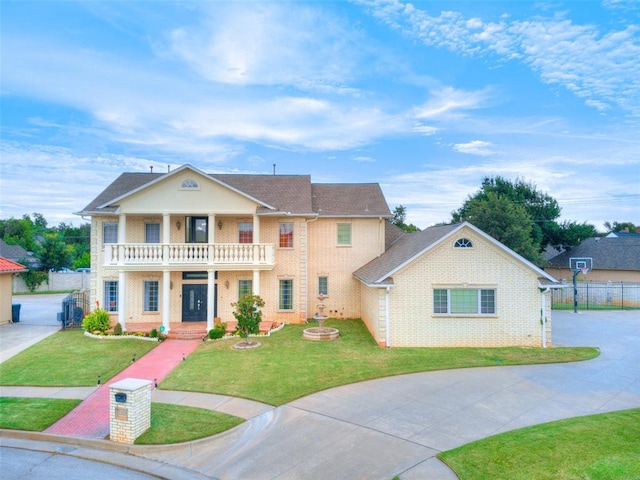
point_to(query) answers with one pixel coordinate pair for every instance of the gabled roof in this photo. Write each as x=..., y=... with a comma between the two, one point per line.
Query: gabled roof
x=609, y=253
x=275, y=194
x=413, y=245
x=7, y=266
x=11, y=252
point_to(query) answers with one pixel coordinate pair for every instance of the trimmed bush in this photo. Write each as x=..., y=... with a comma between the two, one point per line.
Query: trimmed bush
x=117, y=330
x=218, y=331
x=97, y=321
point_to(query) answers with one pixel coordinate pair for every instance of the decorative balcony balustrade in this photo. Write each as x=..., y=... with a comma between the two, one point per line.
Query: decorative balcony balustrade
x=191, y=254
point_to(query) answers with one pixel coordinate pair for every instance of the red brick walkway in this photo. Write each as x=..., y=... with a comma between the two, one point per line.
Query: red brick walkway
x=91, y=419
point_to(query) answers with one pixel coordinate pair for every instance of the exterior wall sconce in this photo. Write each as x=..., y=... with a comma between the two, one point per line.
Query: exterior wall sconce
x=178, y=225
x=219, y=224
x=226, y=284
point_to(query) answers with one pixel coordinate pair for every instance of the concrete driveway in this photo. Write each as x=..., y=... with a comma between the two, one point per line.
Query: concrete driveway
x=395, y=426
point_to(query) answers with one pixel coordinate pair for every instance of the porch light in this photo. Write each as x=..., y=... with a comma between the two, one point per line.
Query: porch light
x=219, y=224
x=178, y=224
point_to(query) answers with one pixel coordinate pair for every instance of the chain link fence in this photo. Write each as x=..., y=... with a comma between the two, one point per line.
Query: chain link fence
x=598, y=296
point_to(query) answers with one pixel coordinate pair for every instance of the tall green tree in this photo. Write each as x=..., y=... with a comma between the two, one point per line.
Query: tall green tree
x=620, y=227
x=506, y=221
x=54, y=253
x=400, y=217
x=542, y=209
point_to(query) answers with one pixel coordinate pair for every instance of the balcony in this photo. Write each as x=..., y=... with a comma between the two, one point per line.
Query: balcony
x=221, y=256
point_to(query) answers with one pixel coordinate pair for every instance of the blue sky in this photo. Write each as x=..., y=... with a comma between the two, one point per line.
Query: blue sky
x=425, y=98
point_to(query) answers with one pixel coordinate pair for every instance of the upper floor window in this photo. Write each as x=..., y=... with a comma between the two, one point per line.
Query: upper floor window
x=245, y=232
x=110, y=232
x=151, y=233
x=344, y=234
x=463, y=243
x=286, y=235
x=189, y=183
x=196, y=230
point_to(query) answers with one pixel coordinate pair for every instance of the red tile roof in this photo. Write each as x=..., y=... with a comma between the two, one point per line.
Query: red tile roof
x=7, y=266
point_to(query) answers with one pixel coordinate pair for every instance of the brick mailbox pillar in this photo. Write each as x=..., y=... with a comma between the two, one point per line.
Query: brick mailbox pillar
x=130, y=406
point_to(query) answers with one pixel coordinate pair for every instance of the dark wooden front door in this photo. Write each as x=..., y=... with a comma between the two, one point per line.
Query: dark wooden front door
x=194, y=303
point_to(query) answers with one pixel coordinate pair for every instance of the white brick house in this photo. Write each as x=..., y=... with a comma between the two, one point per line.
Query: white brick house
x=182, y=246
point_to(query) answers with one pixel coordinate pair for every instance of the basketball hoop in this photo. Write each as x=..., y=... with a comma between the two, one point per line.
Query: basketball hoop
x=584, y=270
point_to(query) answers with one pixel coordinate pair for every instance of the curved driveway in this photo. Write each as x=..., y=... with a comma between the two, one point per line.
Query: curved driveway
x=395, y=426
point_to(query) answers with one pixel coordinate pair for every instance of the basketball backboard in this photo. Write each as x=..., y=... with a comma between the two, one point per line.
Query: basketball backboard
x=584, y=264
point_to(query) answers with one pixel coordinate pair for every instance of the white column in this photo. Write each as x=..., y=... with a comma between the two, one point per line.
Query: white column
x=122, y=236
x=166, y=303
x=166, y=238
x=211, y=298
x=256, y=229
x=122, y=300
x=256, y=282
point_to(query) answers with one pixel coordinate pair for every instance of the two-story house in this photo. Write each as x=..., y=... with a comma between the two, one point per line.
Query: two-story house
x=182, y=246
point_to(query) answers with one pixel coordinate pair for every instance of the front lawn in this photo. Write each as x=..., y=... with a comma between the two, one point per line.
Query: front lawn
x=70, y=359
x=595, y=447
x=287, y=367
x=34, y=414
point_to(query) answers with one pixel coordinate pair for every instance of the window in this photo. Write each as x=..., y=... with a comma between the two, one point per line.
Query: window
x=110, y=232
x=196, y=230
x=286, y=235
x=323, y=285
x=189, y=183
x=285, y=296
x=464, y=301
x=151, y=233
x=245, y=287
x=463, y=243
x=111, y=295
x=245, y=232
x=150, y=295
x=344, y=234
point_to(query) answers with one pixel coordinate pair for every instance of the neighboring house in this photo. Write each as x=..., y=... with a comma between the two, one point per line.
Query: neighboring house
x=454, y=285
x=182, y=246
x=7, y=269
x=614, y=259
x=17, y=253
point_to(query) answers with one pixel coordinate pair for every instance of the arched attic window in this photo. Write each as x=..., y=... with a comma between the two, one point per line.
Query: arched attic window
x=463, y=243
x=189, y=184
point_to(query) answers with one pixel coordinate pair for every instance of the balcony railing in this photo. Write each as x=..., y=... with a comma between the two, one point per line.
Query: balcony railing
x=191, y=254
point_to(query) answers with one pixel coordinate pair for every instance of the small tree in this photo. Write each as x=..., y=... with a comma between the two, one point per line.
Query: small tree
x=247, y=312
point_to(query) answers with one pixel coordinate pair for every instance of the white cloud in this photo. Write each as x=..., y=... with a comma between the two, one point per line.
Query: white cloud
x=475, y=147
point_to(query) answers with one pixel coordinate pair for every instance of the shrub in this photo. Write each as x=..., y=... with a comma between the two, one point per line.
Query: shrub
x=218, y=331
x=153, y=333
x=96, y=321
x=117, y=330
x=247, y=312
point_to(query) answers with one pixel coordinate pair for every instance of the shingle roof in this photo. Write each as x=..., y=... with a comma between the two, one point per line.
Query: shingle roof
x=7, y=266
x=294, y=194
x=622, y=253
x=403, y=250
x=12, y=252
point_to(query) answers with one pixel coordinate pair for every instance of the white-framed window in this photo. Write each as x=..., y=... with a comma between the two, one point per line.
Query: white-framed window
x=245, y=287
x=323, y=285
x=151, y=296
x=463, y=243
x=285, y=294
x=464, y=301
x=111, y=295
x=285, y=231
x=189, y=184
x=110, y=232
x=344, y=234
x=245, y=232
x=151, y=233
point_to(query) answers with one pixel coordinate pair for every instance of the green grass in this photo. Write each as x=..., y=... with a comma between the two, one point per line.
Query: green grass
x=596, y=447
x=287, y=367
x=34, y=414
x=68, y=358
x=175, y=424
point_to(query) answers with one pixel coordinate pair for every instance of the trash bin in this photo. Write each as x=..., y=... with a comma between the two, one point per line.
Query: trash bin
x=15, y=312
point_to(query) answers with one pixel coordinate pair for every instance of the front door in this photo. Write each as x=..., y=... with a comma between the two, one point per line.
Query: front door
x=194, y=303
